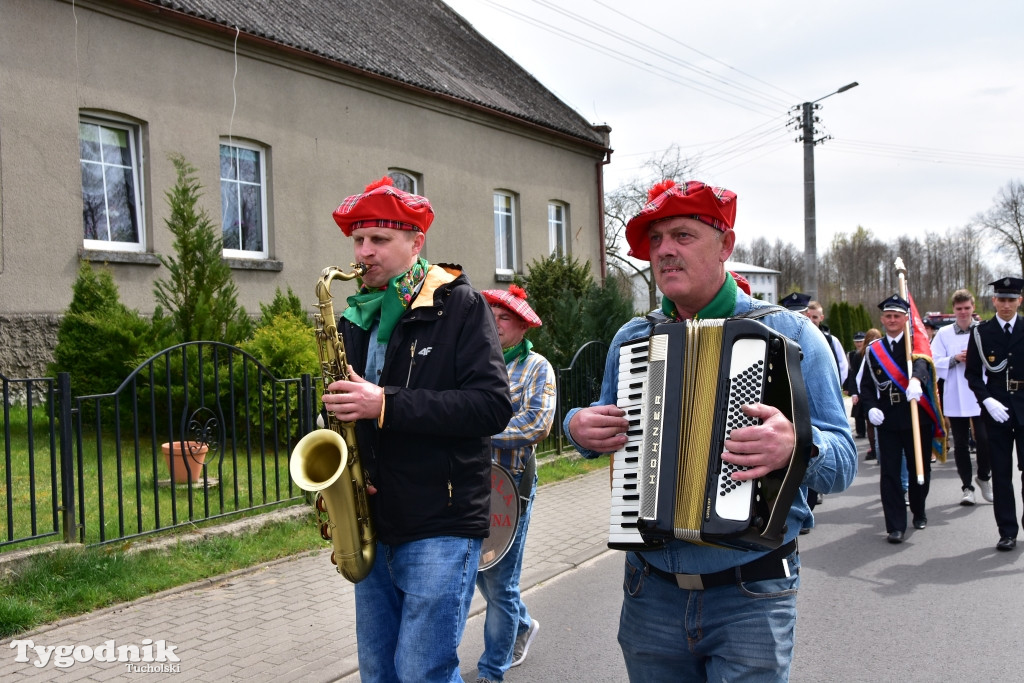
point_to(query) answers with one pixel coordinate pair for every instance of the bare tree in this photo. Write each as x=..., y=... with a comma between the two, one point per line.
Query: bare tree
x=781, y=256
x=1005, y=220
x=626, y=201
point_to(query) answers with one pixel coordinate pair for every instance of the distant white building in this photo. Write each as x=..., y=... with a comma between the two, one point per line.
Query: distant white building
x=764, y=284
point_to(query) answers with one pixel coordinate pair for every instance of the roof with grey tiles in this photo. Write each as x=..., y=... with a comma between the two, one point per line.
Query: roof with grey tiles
x=420, y=43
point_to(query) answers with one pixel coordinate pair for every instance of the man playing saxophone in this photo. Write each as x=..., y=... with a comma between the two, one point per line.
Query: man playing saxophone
x=427, y=388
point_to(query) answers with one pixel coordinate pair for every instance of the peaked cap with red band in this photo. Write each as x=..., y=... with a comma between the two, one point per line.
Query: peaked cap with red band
x=381, y=205
x=514, y=300
x=714, y=206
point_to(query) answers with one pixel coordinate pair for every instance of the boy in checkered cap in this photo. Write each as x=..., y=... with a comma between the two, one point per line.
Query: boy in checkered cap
x=427, y=389
x=508, y=628
x=744, y=626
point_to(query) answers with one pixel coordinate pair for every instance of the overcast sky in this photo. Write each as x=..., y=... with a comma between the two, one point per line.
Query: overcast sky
x=932, y=133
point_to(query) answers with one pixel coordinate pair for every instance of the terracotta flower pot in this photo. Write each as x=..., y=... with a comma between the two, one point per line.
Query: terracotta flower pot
x=194, y=452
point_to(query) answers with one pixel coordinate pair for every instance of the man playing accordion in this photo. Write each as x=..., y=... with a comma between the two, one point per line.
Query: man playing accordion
x=701, y=612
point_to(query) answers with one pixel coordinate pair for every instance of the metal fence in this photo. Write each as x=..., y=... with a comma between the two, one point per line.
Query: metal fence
x=577, y=385
x=197, y=432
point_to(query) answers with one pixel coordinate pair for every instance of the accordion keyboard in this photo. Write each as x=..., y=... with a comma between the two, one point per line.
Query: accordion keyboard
x=625, y=499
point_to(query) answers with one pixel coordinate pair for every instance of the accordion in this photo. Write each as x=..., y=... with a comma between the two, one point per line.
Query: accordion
x=682, y=389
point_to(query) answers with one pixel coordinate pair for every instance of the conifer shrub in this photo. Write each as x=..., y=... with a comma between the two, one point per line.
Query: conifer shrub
x=284, y=303
x=286, y=346
x=99, y=339
x=573, y=308
x=199, y=298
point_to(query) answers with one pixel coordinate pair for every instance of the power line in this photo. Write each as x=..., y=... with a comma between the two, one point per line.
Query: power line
x=789, y=96
x=929, y=155
x=728, y=97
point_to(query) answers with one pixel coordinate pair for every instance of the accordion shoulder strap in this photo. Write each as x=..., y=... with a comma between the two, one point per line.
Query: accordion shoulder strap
x=656, y=317
x=760, y=312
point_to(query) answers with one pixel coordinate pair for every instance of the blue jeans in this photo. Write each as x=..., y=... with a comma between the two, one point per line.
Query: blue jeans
x=506, y=612
x=412, y=608
x=730, y=633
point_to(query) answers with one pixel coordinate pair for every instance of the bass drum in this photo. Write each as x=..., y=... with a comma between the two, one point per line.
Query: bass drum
x=504, y=517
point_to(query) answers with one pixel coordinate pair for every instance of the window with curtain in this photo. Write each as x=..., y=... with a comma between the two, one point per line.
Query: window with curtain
x=505, y=256
x=111, y=197
x=243, y=200
x=557, y=220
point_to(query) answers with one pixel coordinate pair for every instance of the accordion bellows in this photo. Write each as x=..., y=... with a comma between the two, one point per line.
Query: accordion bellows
x=683, y=389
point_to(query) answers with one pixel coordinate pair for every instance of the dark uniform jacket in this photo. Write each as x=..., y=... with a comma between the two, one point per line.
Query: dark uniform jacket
x=445, y=393
x=995, y=348
x=889, y=397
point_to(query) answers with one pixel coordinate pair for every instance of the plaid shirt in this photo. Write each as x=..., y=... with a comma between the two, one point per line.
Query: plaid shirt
x=532, y=385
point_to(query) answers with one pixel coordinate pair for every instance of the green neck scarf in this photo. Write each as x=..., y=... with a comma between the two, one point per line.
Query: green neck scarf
x=722, y=306
x=387, y=303
x=520, y=350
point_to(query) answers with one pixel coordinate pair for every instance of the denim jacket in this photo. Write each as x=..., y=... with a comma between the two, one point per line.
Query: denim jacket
x=830, y=471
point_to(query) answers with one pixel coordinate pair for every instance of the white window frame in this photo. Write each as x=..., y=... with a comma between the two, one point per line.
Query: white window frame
x=237, y=185
x=133, y=137
x=506, y=249
x=558, y=237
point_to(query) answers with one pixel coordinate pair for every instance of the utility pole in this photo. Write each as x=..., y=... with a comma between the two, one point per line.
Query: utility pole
x=807, y=133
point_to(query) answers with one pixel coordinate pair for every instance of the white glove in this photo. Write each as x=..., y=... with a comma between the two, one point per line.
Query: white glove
x=996, y=409
x=914, y=390
x=876, y=416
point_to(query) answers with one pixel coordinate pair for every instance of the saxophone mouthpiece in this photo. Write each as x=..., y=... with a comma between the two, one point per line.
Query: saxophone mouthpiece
x=359, y=268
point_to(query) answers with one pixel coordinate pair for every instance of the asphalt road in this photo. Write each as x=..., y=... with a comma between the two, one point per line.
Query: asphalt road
x=944, y=605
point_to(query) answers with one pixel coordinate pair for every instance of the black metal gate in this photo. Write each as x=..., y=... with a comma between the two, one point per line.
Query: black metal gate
x=197, y=432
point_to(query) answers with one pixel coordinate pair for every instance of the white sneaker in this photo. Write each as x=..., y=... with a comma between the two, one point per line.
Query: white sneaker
x=968, y=497
x=523, y=643
x=986, y=488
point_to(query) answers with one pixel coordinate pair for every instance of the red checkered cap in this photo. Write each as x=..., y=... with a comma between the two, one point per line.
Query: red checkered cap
x=514, y=300
x=382, y=205
x=714, y=206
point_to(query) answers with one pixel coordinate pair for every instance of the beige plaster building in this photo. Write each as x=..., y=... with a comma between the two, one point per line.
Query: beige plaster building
x=285, y=107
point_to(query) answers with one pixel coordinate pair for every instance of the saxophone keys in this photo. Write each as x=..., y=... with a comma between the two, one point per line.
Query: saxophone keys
x=325, y=533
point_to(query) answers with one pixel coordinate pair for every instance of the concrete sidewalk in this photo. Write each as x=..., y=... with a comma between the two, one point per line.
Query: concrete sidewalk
x=288, y=620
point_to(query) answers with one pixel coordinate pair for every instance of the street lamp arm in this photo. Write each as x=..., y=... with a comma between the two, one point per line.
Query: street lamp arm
x=842, y=89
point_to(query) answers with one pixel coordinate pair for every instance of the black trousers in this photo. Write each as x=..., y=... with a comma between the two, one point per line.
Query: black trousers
x=859, y=421
x=1001, y=439
x=894, y=446
x=960, y=426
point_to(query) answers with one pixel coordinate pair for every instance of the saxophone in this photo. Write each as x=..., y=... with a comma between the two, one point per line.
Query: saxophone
x=327, y=460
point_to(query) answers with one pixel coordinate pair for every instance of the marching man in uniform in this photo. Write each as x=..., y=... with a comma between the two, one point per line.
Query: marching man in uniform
x=886, y=392
x=997, y=380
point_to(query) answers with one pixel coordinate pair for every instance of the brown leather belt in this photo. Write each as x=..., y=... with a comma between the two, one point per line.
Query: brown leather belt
x=771, y=566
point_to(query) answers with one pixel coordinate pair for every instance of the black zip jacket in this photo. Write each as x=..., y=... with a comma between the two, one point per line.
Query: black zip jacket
x=445, y=393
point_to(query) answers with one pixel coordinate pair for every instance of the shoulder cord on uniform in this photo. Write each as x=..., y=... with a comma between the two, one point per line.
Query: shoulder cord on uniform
x=870, y=360
x=981, y=354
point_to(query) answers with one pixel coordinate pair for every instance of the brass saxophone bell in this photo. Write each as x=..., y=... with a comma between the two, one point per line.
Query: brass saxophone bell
x=327, y=460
